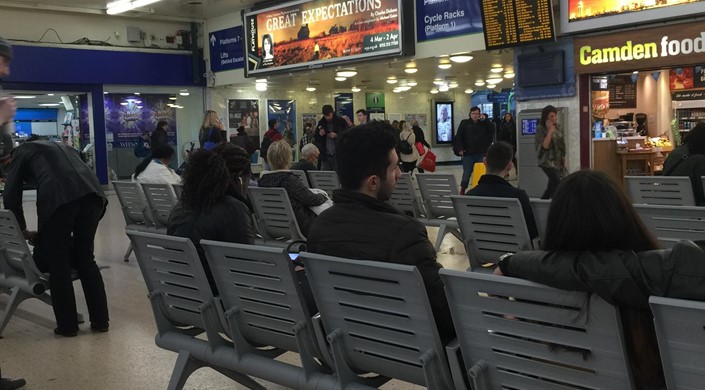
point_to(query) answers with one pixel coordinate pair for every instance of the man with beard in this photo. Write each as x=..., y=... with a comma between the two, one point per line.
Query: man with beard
x=361, y=225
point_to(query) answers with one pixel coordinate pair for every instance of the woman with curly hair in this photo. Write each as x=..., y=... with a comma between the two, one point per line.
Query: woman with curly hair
x=212, y=204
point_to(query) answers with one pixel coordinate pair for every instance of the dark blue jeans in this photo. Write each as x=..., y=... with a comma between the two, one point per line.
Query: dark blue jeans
x=469, y=161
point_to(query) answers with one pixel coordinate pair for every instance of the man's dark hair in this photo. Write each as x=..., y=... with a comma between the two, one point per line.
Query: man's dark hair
x=161, y=123
x=364, y=152
x=160, y=152
x=498, y=156
x=696, y=139
x=328, y=109
x=474, y=108
x=361, y=111
x=272, y=122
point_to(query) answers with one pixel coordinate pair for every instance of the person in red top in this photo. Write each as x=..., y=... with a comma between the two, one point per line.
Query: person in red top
x=271, y=136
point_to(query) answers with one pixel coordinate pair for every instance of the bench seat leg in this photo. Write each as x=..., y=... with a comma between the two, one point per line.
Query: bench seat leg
x=16, y=297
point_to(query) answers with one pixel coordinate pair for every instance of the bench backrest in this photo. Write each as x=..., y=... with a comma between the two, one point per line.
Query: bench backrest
x=680, y=330
x=436, y=190
x=302, y=176
x=171, y=267
x=16, y=259
x=664, y=190
x=671, y=224
x=133, y=203
x=491, y=227
x=404, y=196
x=325, y=180
x=261, y=283
x=517, y=334
x=161, y=199
x=274, y=214
x=381, y=314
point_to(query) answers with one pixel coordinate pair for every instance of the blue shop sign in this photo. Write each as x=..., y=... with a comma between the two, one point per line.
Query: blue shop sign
x=447, y=18
x=226, y=49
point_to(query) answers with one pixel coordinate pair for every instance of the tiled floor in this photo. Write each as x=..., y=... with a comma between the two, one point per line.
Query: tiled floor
x=126, y=357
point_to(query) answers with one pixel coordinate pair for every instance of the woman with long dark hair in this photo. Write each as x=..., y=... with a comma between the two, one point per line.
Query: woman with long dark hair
x=689, y=160
x=596, y=242
x=550, y=149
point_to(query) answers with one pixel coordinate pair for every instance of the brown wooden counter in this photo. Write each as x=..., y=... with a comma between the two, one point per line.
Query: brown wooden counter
x=605, y=158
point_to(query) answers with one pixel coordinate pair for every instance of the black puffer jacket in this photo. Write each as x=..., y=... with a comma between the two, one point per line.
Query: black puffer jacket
x=361, y=227
x=473, y=137
x=302, y=199
x=625, y=279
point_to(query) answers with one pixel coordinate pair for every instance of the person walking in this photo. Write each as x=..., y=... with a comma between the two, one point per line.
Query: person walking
x=471, y=141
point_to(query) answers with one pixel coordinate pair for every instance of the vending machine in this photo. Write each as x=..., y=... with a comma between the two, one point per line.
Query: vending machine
x=531, y=177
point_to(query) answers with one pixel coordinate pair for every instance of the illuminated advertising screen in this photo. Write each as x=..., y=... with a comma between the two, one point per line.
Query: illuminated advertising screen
x=308, y=34
x=586, y=15
x=443, y=123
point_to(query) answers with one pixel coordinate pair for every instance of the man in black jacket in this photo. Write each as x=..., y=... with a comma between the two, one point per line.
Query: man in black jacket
x=499, y=162
x=471, y=141
x=362, y=226
x=70, y=203
x=328, y=128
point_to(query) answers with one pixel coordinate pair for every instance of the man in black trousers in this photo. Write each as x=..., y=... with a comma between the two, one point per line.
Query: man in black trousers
x=70, y=203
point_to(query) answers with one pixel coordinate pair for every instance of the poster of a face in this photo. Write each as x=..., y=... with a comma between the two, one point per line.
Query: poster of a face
x=444, y=123
x=284, y=111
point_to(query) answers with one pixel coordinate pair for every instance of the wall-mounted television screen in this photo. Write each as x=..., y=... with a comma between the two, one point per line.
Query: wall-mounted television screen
x=309, y=34
x=587, y=15
x=443, y=122
x=543, y=68
x=528, y=126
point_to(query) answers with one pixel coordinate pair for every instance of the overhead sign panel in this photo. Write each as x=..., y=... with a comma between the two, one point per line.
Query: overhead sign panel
x=225, y=48
x=447, y=18
x=314, y=33
x=510, y=23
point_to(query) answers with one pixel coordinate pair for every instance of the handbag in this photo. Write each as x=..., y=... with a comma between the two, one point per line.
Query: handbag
x=427, y=162
x=208, y=145
x=420, y=148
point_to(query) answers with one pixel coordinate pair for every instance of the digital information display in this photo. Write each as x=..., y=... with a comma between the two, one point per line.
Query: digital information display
x=511, y=23
x=314, y=33
x=528, y=126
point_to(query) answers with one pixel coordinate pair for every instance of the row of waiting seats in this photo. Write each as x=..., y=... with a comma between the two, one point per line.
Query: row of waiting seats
x=375, y=318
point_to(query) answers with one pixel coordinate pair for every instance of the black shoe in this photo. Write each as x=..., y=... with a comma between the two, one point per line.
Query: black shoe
x=100, y=328
x=65, y=333
x=9, y=384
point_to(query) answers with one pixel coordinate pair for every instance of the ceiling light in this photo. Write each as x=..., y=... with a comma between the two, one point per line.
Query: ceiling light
x=184, y=92
x=403, y=88
x=51, y=94
x=142, y=3
x=260, y=80
x=443, y=88
x=24, y=96
x=172, y=97
x=137, y=93
x=479, y=83
x=461, y=58
x=310, y=88
x=261, y=87
x=340, y=78
x=355, y=89
x=411, y=70
x=635, y=72
x=434, y=91
x=392, y=80
x=439, y=82
x=347, y=73
x=509, y=75
x=494, y=80
x=120, y=6
x=469, y=91
x=396, y=90
x=496, y=69
x=491, y=86
x=51, y=104
x=453, y=84
x=412, y=83
x=444, y=64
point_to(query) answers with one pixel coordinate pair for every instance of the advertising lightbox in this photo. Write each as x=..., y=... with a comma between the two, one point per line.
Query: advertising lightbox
x=309, y=34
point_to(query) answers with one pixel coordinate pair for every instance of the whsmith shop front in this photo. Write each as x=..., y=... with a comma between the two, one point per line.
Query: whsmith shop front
x=641, y=92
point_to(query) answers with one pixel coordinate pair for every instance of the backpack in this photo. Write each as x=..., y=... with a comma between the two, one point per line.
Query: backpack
x=266, y=141
x=404, y=146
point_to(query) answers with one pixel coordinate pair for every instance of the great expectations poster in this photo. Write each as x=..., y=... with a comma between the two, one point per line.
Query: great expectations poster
x=311, y=32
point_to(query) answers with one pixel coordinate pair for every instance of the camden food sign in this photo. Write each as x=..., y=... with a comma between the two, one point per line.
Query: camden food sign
x=661, y=47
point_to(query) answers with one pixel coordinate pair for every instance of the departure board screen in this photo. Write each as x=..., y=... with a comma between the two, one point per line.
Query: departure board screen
x=511, y=23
